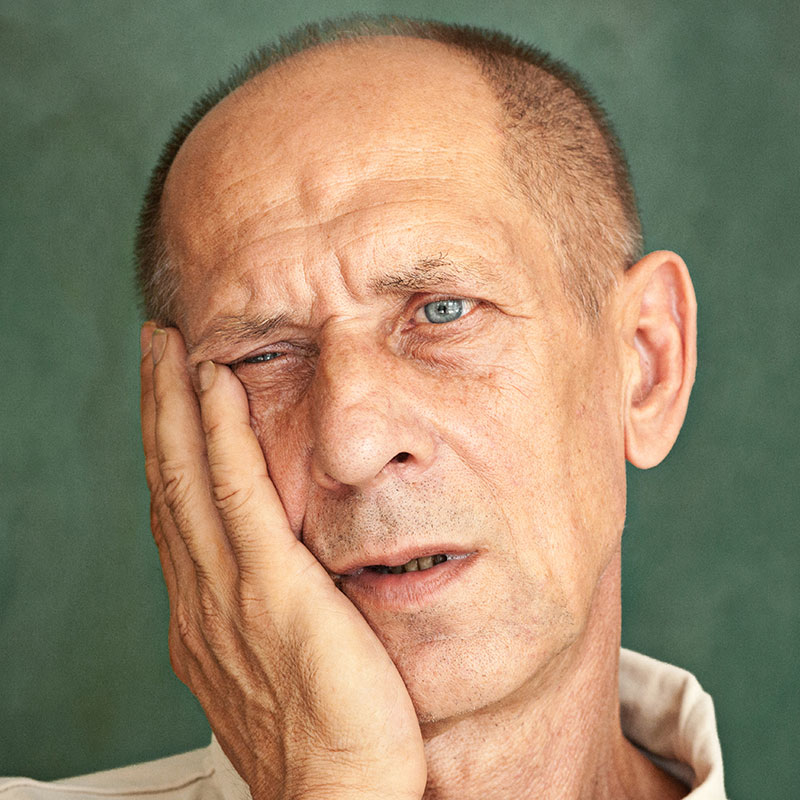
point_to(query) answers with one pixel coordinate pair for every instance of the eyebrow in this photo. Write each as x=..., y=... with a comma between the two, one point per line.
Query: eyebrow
x=235, y=329
x=424, y=275
x=428, y=274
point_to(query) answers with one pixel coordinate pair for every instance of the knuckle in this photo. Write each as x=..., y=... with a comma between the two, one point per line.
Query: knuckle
x=250, y=607
x=230, y=499
x=183, y=622
x=175, y=484
x=152, y=472
x=185, y=636
x=253, y=608
x=156, y=528
x=178, y=657
x=214, y=428
x=211, y=614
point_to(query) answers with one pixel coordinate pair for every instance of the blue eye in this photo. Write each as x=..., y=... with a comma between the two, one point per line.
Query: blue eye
x=444, y=310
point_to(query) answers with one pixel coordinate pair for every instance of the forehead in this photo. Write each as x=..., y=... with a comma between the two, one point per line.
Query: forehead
x=360, y=154
x=387, y=93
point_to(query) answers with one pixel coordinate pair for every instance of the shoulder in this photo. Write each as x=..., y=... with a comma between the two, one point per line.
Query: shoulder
x=189, y=776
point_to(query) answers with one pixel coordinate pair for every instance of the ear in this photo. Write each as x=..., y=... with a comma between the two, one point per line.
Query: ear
x=659, y=327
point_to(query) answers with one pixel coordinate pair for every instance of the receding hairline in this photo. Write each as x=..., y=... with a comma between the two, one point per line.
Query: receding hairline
x=283, y=68
x=605, y=221
x=286, y=72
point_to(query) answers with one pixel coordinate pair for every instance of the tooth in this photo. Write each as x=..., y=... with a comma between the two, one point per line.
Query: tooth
x=438, y=559
x=395, y=570
x=411, y=566
x=426, y=562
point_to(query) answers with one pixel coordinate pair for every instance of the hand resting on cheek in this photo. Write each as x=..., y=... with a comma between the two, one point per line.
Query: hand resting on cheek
x=300, y=693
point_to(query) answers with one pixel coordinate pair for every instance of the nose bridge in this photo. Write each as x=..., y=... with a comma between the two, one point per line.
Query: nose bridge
x=350, y=363
x=362, y=421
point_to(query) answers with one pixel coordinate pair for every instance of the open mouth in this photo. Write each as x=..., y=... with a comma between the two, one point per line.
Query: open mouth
x=419, y=564
x=414, y=565
x=403, y=586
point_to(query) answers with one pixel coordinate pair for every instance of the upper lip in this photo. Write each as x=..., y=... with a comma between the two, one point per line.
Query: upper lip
x=397, y=556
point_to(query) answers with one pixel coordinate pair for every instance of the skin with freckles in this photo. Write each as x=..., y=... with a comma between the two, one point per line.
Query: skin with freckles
x=317, y=218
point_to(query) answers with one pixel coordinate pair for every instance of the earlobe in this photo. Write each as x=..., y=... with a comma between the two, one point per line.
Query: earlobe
x=660, y=333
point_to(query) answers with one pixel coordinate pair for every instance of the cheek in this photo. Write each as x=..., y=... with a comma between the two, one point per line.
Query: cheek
x=553, y=453
x=597, y=460
x=593, y=487
x=282, y=433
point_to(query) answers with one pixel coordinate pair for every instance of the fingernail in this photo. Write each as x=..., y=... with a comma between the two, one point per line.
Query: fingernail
x=205, y=375
x=159, y=342
x=146, y=337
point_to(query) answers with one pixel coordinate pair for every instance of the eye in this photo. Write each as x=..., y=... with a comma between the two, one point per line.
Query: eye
x=448, y=309
x=260, y=358
x=285, y=351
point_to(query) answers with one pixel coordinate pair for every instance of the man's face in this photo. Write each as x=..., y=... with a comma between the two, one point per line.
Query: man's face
x=423, y=387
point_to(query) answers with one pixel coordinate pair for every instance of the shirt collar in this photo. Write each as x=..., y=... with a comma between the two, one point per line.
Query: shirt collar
x=665, y=712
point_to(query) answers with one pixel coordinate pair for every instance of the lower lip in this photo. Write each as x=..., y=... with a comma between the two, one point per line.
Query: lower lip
x=407, y=589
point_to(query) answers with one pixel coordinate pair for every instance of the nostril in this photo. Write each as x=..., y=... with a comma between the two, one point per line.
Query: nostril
x=401, y=457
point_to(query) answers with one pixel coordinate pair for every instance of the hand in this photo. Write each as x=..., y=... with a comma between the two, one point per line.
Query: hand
x=300, y=693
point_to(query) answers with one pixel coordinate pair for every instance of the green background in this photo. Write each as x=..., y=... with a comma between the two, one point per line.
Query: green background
x=706, y=98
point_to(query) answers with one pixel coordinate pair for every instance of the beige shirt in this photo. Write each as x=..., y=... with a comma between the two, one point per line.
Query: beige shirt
x=664, y=712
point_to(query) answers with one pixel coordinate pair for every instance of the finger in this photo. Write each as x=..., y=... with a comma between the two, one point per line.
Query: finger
x=147, y=403
x=180, y=451
x=246, y=498
x=190, y=601
x=172, y=552
x=164, y=556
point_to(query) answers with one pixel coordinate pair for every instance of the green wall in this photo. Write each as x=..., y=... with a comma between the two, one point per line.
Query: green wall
x=706, y=98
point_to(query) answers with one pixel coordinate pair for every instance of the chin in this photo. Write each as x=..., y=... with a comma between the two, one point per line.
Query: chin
x=451, y=678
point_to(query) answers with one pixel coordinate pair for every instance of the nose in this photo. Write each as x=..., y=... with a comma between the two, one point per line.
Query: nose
x=366, y=425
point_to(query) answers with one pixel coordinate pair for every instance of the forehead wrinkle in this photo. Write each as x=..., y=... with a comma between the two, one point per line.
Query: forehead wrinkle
x=229, y=187
x=308, y=191
x=324, y=225
x=311, y=194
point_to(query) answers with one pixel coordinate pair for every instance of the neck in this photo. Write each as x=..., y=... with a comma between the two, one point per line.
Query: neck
x=561, y=739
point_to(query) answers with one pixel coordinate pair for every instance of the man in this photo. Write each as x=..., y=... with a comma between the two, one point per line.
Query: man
x=406, y=343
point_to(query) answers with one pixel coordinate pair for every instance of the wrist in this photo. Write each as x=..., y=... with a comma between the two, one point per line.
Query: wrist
x=349, y=790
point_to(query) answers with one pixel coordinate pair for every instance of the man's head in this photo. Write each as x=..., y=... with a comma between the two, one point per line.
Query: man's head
x=348, y=235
